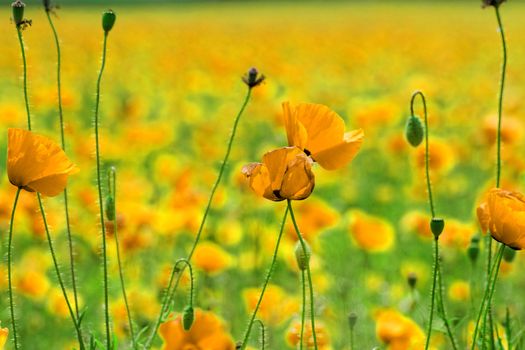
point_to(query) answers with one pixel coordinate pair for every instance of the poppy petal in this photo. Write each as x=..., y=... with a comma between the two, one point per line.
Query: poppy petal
x=340, y=154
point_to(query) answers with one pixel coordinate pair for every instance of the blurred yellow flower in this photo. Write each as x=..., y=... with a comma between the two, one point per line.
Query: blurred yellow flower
x=285, y=173
x=207, y=332
x=268, y=313
x=320, y=133
x=371, y=233
x=441, y=156
x=4, y=333
x=459, y=291
x=503, y=215
x=36, y=163
x=211, y=258
x=293, y=335
x=398, y=332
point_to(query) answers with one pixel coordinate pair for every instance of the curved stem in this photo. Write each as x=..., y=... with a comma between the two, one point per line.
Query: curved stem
x=266, y=281
x=59, y=275
x=443, y=310
x=310, y=284
x=66, y=206
x=9, y=268
x=100, y=203
x=192, y=281
x=112, y=182
x=433, y=293
x=501, y=89
x=26, y=98
x=303, y=310
x=203, y=221
x=263, y=334
x=489, y=291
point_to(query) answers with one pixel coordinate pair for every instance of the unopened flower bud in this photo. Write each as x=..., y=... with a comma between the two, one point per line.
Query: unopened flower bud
x=253, y=78
x=494, y=3
x=414, y=130
x=18, y=12
x=302, y=255
x=352, y=319
x=187, y=317
x=47, y=5
x=110, y=208
x=108, y=20
x=412, y=279
x=436, y=226
x=473, y=249
x=509, y=254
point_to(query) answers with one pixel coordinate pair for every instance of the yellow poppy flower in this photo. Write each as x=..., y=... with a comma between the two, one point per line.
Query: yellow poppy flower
x=207, y=332
x=4, y=332
x=397, y=331
x=36, y=163
x=320, y=133
x=371, y=233
x=293, y=335
x=285, y=173
x=504, y=216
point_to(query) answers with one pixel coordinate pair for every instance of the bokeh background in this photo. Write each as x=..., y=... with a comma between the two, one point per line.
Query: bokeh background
x=171, y=89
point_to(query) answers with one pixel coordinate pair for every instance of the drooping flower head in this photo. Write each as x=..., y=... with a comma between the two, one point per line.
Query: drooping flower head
x=503, y=215
x=320, y=133
x=36, y=163
x=207, y=332
x=285, y=173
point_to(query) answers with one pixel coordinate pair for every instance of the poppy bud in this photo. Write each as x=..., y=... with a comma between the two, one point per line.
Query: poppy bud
x=187, y=317
x=414, y=130
x=302, y=255
x=436, y=226
x=252, y=78
x=412, y=280
x=494, y=3
x=509, y=254
x=352, y=319
x=108, y=20
x=18, y=12
x=47, y=5
x=110, y=208
x=473, y=249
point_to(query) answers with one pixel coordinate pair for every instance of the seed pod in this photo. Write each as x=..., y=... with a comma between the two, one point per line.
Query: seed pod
x=18, y=12
x=302, y=255
x=436, y=226
x=509, y=254
x=253, y=78
x=108, y=20
x=414, y=130
x=187, y=317
x=352, y=320
x=412, y=279
x=110, y=208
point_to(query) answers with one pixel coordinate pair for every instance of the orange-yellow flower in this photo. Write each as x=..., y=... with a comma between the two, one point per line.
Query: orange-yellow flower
x=398, y=332
x=504, y=216
x=207, y=332
x=36, y=163
x=285, y=173
x=293, y=335
x=320, y=133
x=4, y=333
x=268, y=313
x=371, y=233
x=211, y=258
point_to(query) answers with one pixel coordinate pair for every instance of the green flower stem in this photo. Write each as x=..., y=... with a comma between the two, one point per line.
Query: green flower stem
x=501, y=89
x=303, y=310
x=433, y=293
x=489, y=291
x=9, y=268
x=167, y=301
x=100, y=202
x=443, y=310
x=66, y=206
x=266, y=281
x=112, y=180
x=59, y=275
x=263, y=334
x=26, y=98
x=308, y=272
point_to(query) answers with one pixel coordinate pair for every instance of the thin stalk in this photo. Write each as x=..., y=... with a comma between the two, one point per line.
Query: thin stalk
x=263, y=334
x=303, y=310
x=113, y=191
x=308, y=272
x=164, y=306
x=59, y=275
x=100, y=202
x=266, y=281
x=433, y=293
x=501, y=90
x=9, y=268
x=66, y=206
x=443, y=310
x=487, y=296
x=26, y=98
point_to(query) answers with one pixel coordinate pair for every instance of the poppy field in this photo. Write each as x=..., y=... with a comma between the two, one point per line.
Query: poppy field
x=253, y=175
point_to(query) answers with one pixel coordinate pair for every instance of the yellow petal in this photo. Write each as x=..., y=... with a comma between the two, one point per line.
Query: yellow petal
x=342, y=153
x=260, y=180
x=299, y=181
x=295, y=131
